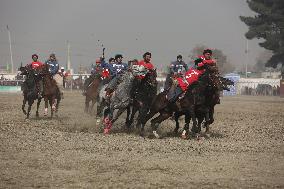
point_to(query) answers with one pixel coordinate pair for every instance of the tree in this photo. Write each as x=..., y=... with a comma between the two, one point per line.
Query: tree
x=223, y=64
x=267, y=24
x=261, y=60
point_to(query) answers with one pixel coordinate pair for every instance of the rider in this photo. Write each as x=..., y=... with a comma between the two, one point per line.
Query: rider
x=141, y=68
x=176, y=68
x=54, y=71
x=35, y=65
x=192, y=74
x=116, y=69
x=186, y=80
x=207, y=58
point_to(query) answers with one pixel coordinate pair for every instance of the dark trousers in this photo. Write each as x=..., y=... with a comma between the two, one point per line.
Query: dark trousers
x=174, y=93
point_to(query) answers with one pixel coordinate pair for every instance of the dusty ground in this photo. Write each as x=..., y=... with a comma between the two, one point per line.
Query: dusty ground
x=246, y=150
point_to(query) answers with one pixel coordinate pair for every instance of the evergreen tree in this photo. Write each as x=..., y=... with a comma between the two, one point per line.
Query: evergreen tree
x=267, y=24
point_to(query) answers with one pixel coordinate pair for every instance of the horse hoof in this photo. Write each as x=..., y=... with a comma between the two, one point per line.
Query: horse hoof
x=207, y=135
x=156, y=134
x=183, y=135
x=98, y=120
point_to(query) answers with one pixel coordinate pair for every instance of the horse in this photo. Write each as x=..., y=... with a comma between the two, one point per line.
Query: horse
x=193, y=97
x=92, y=92
x=51, y=92
x=212, y=94
x=29, y=89
x=144, y=94
x=120, y=100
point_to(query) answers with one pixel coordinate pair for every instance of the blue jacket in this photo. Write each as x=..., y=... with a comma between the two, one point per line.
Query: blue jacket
x=117, y=68
x=53, y=67
x=178, y=67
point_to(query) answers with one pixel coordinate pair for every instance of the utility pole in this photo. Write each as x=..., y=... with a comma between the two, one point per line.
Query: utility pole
x=68, y=57
x=246, y=51
x=11, y=54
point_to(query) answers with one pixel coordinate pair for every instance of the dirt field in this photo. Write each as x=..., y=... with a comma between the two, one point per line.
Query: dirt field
x=246, y=149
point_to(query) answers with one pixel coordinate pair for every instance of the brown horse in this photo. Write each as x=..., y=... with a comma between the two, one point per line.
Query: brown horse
x=92, y=93
x=51, y=93
x=193, y=97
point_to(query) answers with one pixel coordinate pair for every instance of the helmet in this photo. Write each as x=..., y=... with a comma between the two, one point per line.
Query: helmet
x=62, y=68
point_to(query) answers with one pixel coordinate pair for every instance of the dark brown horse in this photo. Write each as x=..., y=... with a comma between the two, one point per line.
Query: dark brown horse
x=193, y=97
x=212, y=98
x=29, y=88
x=142, y=98
x=51, y=93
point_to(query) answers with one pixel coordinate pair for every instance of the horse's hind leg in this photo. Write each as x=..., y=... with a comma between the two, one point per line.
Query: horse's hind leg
x=144, y=120
x=37, y=107
x=157, y=121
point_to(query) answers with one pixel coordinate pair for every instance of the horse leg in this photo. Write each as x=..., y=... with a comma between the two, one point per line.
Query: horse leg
x=207, y=123
x=144, y=120
x=127, y=120
x=142, y=114
x=119, y=112
x=87, y=100
x=176, y=115
x=30, y=107
x=92, y=106
x=157, y=121
x=51, y=105
x=37, y=106
x=24, y=104
x=194, y=121
x=186, y=125
x=45, y=106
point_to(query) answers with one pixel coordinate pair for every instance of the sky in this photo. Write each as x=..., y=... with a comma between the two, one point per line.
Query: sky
x=166, y=28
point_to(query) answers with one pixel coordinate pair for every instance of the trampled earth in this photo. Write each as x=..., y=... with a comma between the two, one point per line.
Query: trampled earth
x=245, y=150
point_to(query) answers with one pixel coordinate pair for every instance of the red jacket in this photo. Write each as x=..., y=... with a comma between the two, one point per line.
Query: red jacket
x=148, y=65
x=210, y=62
x=36, y=65
x=189, y=77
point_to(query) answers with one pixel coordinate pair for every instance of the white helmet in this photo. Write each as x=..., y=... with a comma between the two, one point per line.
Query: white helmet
x=62, y=68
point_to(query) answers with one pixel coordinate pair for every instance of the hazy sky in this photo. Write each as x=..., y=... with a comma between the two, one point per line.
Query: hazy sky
x=130, y=27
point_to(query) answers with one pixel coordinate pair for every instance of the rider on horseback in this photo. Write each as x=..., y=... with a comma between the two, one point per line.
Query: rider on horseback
x=116, y=69
x=176, y=69
x=101, y=67
x=141, y=68
x=191, y=76
x=55, y=72
x=35, y=65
